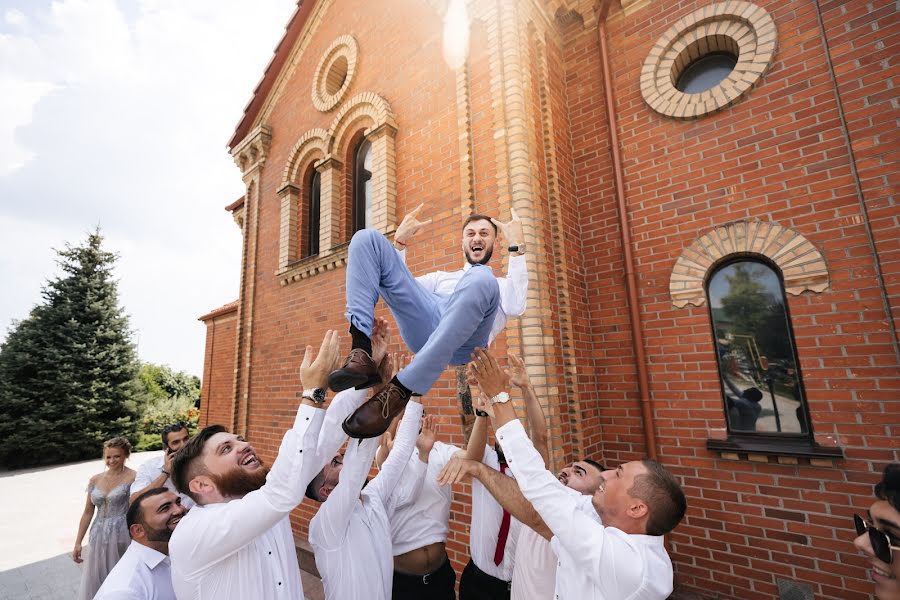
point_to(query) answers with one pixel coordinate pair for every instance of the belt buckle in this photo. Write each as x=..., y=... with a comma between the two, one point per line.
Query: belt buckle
x=426, y=577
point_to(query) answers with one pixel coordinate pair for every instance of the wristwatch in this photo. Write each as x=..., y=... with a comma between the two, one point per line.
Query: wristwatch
x=317, y=395
x=518, y=249
x=501, y=398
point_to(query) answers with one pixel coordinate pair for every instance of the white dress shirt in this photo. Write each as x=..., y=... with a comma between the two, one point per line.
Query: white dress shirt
x=244, y=548
x=351, y=533
x=141, y=574
x=595, y=562
x=534, y=574
x=487, y=514
x=149, y=471
x=513, y=288
x=421, y=507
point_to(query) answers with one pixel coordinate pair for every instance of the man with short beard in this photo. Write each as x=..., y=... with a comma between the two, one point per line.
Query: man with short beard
x=442, y=316
x=237, y=543
x=144, y=571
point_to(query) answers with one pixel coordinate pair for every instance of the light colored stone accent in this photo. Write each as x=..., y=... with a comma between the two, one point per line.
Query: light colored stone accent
x=802, y=266
x=312, y=146
x=334, y=73
x=742, y=28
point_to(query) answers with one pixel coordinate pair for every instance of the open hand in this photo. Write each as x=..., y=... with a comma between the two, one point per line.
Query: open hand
x=425, y=441
x=511, y=230
x=410, y=226
x=314, y=373
x=457, y=470
x=491, y=378
x=518, y=376
x=380, y=339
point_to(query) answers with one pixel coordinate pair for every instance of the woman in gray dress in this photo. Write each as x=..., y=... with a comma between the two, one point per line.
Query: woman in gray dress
x=107, y=493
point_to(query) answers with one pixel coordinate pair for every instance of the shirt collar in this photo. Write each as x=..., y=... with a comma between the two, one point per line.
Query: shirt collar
x=150, y=557
x=467, y=266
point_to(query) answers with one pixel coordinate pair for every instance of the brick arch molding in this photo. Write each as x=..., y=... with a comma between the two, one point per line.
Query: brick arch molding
x=802, y=265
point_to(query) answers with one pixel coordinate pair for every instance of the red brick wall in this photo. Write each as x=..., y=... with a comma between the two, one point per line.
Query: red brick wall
x=218, y=369
x=780, y=155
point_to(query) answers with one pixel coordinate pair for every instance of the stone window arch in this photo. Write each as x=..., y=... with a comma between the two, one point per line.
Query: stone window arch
x=295, y=194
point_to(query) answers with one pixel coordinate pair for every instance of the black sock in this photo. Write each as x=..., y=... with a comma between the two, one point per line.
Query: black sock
x=360, y=340
x=402, y=387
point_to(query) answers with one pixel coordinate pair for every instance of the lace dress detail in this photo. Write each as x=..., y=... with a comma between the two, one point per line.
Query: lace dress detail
x=108, y=538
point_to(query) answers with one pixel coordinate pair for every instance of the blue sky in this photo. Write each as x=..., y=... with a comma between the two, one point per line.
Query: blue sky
x=117, y=114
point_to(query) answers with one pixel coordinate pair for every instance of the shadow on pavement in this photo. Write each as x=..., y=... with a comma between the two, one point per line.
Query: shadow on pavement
x=54, y=578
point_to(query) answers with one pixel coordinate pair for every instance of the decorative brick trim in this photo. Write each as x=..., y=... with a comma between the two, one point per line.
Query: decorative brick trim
x=314, y=141
x=802, y=266
x=334, y=73
x=306, y=268
x=365, y=106
x=742, y=28
x=250, y=155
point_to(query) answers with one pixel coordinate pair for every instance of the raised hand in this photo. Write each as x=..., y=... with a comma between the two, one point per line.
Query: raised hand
x=457, y=470
x=380, y=339
x=511, y=230
x=518, y=376
x=425, y=441
x=410, y=226
x=314, y=373
x=491, y=378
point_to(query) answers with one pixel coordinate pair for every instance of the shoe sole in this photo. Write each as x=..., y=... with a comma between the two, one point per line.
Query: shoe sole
x=338, y=381
x=358, y=436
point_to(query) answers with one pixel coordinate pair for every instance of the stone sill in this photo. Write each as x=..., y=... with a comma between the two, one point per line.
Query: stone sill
x=313, y=265
x=775, y=449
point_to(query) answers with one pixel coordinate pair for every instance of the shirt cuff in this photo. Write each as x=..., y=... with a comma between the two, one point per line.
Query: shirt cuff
x=305, y=416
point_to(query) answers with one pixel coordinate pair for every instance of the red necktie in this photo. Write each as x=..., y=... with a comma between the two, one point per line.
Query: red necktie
x=504, y=531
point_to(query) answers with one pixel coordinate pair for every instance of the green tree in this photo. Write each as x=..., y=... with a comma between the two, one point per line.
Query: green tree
x=68, y=371
x=166, y=397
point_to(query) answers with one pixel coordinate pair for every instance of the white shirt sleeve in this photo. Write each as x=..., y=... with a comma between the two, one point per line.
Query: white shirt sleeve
x=147, y=472
x=240, y=521
x=610, y=561
x=385, y=482
x=332, y=436
x=514, y=287
x=409, y=487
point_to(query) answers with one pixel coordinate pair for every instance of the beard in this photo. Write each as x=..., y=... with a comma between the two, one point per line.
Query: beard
x=158, y=535
x=237, y=483
x=487, y=256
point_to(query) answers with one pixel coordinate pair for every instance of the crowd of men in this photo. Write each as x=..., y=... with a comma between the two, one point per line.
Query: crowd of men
x=211, y=521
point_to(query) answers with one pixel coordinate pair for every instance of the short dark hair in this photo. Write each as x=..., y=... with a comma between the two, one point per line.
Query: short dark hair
x=135, y=514
x=169, y=429
x=663, y=495
x=889, y=487
x=312, y=490
x=477, y=217
x=188, y=462
x=594, y=464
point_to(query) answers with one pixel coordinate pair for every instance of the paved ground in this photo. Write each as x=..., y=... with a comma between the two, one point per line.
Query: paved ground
x=39, y=512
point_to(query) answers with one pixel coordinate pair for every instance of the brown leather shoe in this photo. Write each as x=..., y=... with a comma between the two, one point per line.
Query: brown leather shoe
x=359, y=371
x=375, y=416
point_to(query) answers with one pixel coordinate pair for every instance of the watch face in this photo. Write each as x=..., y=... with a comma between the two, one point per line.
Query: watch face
x=319, y=395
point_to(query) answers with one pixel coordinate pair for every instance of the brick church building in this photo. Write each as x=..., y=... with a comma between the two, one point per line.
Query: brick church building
x=707, y=191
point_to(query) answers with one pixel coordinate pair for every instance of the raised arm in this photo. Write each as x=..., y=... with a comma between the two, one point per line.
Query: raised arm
x=503, y=488
x=537, y=424
x=145, y=478
x=384, y=483
x=514, y=288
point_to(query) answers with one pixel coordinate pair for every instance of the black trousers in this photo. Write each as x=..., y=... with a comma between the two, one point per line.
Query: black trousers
x=438, y=585
x=475, y=584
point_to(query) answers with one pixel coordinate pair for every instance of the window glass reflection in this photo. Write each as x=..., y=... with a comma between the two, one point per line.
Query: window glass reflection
x=755, y=350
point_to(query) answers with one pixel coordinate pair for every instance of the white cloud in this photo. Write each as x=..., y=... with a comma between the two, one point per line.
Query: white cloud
x=118, y=114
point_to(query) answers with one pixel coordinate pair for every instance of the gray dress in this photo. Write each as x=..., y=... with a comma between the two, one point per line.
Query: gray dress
x=109, y=537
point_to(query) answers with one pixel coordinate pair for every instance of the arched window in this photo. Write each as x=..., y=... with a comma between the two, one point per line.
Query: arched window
x=312, y=218
x=362, y=185
x=758, y=367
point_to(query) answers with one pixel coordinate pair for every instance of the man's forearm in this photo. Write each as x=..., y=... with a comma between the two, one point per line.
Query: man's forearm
x=537, y=424
x=506, y=492
x=477, y=440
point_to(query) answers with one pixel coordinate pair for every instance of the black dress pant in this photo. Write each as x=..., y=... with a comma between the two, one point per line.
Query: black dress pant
x=438, y=585
x=475, y=584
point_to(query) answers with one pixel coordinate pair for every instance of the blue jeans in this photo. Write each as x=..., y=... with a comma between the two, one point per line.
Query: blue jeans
x=439, y=329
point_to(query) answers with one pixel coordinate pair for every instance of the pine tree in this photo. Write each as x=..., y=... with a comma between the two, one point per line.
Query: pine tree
x=68, y=371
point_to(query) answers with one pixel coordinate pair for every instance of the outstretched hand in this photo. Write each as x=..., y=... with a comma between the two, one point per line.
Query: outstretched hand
x=511, y=230
x=425, y=441
x=380, y=339
x=487, y=372
x=518, y=376
x=410, y=226
x=314, y=373
x=457, y=470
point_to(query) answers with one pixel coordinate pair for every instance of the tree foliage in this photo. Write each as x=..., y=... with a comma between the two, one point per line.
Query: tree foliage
x=167, y=397
x=68, y=371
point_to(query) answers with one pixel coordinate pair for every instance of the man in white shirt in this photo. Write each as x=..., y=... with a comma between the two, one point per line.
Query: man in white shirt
x=442, y=316
x=156, y=472
x=419, y=519
x=144, y=571
x=351, y=534
x=237, y=542
x=609, y=545
x=534, y=572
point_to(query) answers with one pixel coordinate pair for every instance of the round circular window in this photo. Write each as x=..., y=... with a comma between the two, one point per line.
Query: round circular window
x=708, y=59
x=334, y=73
